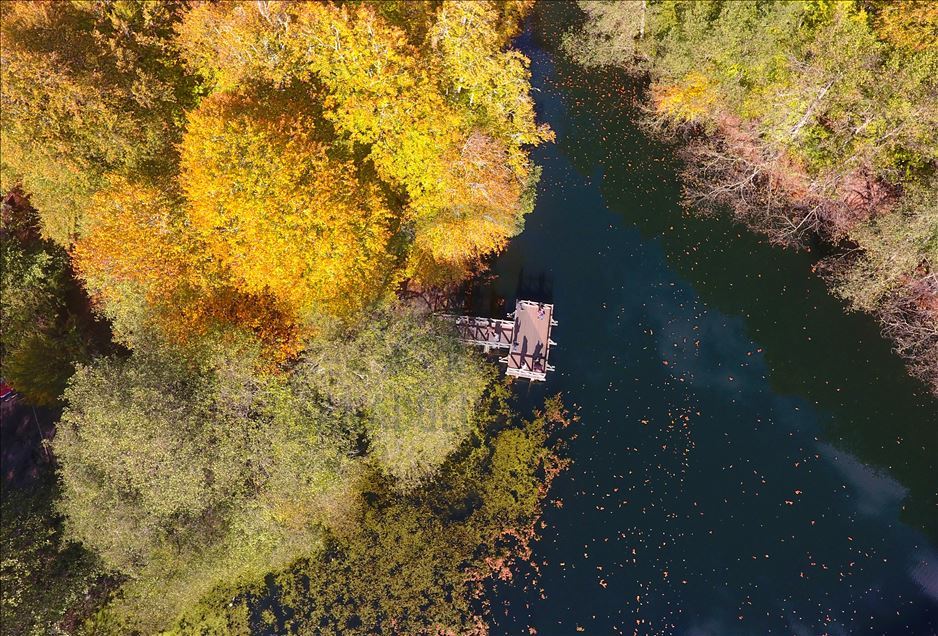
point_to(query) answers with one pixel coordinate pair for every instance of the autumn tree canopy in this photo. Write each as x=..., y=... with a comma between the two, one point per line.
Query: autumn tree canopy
x=90, y=89
x=445, y=123
x=243, y=189
x=279, y=211
x=338, y=151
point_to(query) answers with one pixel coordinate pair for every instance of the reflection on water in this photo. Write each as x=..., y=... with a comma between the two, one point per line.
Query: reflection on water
x=751, y=459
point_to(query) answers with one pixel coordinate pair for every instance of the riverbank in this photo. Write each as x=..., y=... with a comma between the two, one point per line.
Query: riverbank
x=798, y=139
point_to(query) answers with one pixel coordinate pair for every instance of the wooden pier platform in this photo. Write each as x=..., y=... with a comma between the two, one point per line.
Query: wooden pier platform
x=526, y=337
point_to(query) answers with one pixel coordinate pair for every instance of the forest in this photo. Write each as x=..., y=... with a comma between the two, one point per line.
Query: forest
x=219, y=220
x=225, y=227
x=809, y=121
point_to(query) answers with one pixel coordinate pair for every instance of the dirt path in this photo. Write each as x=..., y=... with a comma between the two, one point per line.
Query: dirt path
x=22, y=456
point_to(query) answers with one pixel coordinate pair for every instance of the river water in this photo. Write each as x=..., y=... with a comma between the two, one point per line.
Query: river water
x=751, y=459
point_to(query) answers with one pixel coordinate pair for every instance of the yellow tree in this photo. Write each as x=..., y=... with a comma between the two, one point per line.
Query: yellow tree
x=278, y=211
x=494, y=85
x=148, y=276
x=460, y=162
x=445, y=124
x=130, y=255
x=90, y=89
x=908, y=25
x=483, y=205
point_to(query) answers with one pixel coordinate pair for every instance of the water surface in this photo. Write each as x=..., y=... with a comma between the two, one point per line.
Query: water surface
x=751, y=458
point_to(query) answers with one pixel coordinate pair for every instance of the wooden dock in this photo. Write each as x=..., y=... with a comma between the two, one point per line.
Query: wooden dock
x=490, y=333
x=526, y=336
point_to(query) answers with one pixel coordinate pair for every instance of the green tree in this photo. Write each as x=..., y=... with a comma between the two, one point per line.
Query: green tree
x=610, y=33
x=182, y=478
x=416, y=563
x=414, y=383
x=42, y=332
x=186, y=475
x=807, y=76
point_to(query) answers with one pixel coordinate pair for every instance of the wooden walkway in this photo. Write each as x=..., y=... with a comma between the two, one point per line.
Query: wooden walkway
x=526, y=337
x=486, y=332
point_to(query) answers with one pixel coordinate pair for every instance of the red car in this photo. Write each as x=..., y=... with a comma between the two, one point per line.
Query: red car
x=6, y=392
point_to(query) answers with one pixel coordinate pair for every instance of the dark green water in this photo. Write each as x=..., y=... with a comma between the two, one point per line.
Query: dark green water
x=751, y=459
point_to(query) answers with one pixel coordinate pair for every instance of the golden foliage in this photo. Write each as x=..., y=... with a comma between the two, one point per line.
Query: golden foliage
x=481, y=213
x=130, y=241
x=334, y=156
x=909, y=25
x=278, y=213
x=406, y=107
x=687, y=101
x=139, y=268
x=235, y=42
x=90, y=89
